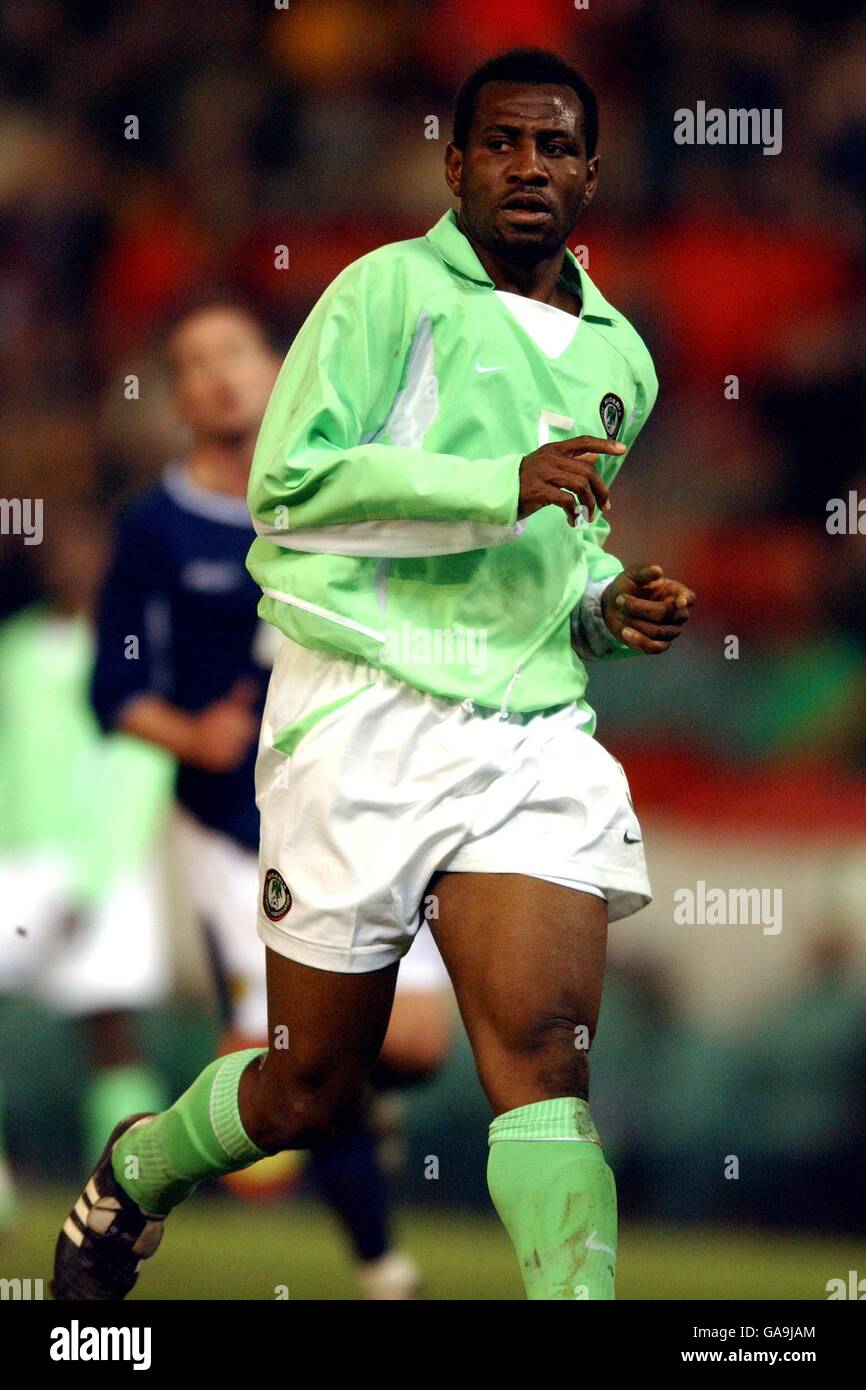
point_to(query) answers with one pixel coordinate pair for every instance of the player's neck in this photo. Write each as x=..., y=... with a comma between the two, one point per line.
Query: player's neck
x=539, y=281
x=221, y=467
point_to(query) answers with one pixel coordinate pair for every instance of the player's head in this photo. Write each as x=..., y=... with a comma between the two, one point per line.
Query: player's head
x=522, y=159
x=223, y=367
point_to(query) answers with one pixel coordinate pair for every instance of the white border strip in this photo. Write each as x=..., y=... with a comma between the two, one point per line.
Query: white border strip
x=323, y=613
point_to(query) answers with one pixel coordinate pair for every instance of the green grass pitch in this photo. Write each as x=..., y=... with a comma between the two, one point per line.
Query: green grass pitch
x=220, y=1248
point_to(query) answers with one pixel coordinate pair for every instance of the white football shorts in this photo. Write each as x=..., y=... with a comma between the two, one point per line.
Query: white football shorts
x=115, y=957
x=222, y=879
x=367, y=787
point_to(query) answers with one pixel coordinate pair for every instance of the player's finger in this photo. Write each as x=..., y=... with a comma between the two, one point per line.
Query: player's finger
x=585, y=496
x=659, y=632
x=577, y=476
x=677, y=593
x=559, y=497
x=645, y=574
x=642, y=643
x=588, y=443
x=652, y=611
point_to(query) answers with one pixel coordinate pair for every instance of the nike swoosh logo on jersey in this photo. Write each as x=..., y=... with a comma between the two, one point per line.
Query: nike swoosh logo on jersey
x=592, y=1244
x=479, y=368
x=630, y=841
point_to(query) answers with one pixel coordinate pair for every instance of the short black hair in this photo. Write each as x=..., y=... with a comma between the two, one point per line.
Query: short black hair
x=205, y=298
x=533, y=65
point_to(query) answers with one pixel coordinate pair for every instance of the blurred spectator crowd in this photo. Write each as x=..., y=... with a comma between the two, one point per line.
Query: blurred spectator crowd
x=257, y=126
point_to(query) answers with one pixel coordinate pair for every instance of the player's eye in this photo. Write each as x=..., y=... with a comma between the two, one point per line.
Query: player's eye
x=497, y=143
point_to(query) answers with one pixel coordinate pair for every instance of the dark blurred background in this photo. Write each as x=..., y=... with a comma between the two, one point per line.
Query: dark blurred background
x=308, y=127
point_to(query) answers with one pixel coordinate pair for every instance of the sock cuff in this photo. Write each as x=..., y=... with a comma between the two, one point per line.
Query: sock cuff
x=224, y=1113
x=566, y=1117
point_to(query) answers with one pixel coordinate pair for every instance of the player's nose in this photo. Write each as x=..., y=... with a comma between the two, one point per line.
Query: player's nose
x=526, y=166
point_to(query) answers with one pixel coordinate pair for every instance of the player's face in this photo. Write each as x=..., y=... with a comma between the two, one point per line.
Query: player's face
x=224, y=372
x=524, y=177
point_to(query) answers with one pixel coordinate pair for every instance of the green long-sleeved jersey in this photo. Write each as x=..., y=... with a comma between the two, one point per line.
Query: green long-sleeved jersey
x=95, y=802
x=384, y=487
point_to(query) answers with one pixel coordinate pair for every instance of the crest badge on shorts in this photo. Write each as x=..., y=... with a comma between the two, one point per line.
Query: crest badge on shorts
x=276, y=898
x=611, y=411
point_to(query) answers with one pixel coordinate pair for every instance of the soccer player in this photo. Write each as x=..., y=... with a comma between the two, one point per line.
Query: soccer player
x=82, y=818
x=182, y=663
x=430, y=490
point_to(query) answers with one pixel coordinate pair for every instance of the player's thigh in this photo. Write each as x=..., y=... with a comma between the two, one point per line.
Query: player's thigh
x=526, y=958
x=325, y=1028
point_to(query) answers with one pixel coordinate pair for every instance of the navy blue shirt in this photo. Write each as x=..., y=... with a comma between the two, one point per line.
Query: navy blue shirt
x=178, y=583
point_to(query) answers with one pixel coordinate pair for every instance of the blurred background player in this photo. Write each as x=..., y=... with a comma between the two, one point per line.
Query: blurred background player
x=183, y=662
x=81, y=892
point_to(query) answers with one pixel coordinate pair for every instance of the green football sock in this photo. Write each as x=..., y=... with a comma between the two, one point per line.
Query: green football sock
x=161, y=1161
x=556, y=1198
x=112, y=1093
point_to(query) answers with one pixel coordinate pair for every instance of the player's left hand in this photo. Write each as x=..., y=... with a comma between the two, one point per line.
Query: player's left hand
x=646, y=610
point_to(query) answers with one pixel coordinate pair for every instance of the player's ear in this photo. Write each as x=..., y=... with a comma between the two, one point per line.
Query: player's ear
x=591, y=180
x=453, y=168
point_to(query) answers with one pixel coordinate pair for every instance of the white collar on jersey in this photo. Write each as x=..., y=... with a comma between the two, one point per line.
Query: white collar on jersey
x=551, y=329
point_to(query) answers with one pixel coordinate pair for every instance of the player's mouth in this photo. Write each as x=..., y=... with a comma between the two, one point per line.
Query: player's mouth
x=526, y=209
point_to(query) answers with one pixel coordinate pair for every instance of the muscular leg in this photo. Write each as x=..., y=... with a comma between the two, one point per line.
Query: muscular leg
x=334, y=1026
x=349, y=1171
x=526, y=959
x=325, y=1032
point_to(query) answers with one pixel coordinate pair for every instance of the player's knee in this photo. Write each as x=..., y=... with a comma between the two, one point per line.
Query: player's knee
x=550, y=1050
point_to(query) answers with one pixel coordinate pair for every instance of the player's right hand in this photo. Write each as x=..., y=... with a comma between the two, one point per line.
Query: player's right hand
x=571, y=464
x=224, y=730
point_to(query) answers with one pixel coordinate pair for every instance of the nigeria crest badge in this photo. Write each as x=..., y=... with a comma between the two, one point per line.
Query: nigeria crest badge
x=611, y=411
x=276, y=898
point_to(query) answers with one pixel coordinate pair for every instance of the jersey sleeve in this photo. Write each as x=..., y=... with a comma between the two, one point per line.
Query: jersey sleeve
x=7, y=734
x=325, y=456
x=133, y=785
x=133, y=796
x=129, y=623
x=591, y=637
